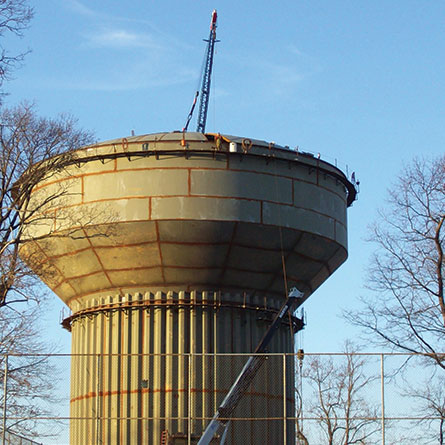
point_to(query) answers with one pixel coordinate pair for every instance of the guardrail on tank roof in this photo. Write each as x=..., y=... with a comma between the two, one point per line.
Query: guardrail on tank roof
x=157, y=145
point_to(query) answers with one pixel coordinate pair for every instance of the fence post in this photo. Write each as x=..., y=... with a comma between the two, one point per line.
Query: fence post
x=5, y=393
x=189, y=408
x=284, y=401
x=382, y=385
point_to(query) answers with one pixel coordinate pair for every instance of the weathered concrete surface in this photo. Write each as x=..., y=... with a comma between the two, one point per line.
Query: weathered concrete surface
x=165, y=246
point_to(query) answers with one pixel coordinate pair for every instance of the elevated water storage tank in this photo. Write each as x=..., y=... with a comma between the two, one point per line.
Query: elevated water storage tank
x=170, y=244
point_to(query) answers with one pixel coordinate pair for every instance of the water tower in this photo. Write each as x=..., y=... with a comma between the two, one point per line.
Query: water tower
x=170, y=244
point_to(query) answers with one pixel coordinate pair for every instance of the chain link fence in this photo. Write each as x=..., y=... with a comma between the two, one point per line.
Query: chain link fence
x=16, y=439
x=169, y=399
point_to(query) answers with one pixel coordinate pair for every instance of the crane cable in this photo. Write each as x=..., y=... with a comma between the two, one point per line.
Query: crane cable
x=300, y=414
x=189, y=117
x=283, y=260
x=300, y=352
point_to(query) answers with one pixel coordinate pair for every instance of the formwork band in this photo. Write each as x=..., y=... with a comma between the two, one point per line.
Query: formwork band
x=297, y=323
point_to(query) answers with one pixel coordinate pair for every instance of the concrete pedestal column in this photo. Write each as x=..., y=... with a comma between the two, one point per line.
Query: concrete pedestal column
x=149, y=362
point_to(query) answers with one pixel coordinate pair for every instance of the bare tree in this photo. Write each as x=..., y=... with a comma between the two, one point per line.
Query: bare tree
x=15, y=16
x=31, y=378
x=407, y=311
x=344, y=415
x=429, y=396
x=31, y=149
x=300, y=433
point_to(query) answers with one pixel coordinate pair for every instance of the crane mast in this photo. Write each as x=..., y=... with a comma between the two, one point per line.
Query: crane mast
x=206, y=79
x=221, y=419
x=207, y=74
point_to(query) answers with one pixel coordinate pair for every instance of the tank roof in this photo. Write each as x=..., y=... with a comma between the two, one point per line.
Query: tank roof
x=188, y=136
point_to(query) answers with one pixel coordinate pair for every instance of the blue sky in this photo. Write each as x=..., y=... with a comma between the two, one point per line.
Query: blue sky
x=357, y=81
